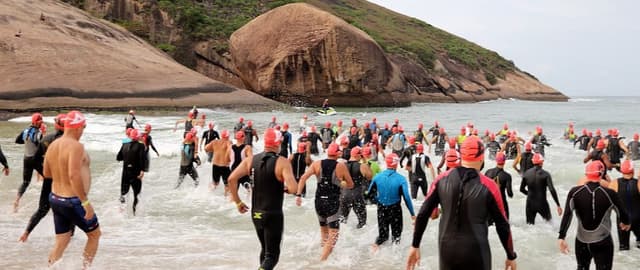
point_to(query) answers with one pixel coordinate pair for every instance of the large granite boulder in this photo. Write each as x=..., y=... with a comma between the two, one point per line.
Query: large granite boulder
x=298, y=53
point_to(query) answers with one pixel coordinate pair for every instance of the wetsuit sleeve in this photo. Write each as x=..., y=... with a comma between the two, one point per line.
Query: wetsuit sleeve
x=142, y=156
x=508, y=184
x=119, y=157
x=407, y=198
x=523, y=186
x=3, y=159
x=554, y=194
x=496, y=209
x=289, y=142
x=623, y=215
x=567, y=216
x=216, y=136
x=150, y=141
x=430, y=203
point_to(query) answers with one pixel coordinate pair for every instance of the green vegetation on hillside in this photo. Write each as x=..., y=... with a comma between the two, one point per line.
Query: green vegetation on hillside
x=216, y=20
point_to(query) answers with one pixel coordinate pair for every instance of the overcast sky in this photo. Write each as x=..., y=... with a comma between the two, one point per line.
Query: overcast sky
x=579, y=47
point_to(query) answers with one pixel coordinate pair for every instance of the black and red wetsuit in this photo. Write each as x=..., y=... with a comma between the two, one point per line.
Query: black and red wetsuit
x=468, y=201
x=592, y=204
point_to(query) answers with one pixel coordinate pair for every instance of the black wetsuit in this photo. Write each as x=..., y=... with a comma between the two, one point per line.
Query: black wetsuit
x=133, y=157
x=368, y=135
x=327, y=200
x=238, y=156
x=186, y=164
x=535, y=182
x=592, y=204
x=630, y=197
x=384, y=135
x=583, y=141
x=188, y=125
x=440, y=144
x=614, y=151
x=299, y=165
x=418, y=174
x=33, y=155
x=354, y=198
x=266, y=207
x=596, y=155
x=314, y=138
x=43, y=204
x=511, y=150
x=493, y=148
x=248, y=135
x=406, y=154
x=210, y=135
x=346, y=153
x=239, y=126
x=148, y=143
x=526, y=162
x=595, y=142
x=539, y=142
x=354, y=140
x=503, y=179
x=285, y=145
x=327, y=136
x=3, y=159
x=634, y=149
x=419, y=134
x=468, y=201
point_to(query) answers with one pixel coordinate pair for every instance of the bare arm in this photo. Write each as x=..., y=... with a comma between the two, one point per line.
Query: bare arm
x=366, y=171
x=74, y=167
x=312, y=170
x=343, y=174
x=242, y=170
x=285, y=174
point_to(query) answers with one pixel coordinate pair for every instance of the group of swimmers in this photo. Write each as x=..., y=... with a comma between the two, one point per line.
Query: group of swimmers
x=350, y=178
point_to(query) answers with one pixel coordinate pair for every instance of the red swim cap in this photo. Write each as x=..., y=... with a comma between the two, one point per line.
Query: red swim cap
x=419, y=148
x=273, y=118
x=302, y=147
x=354, y=121
x=239, y=135
x=272, y=138
x=374, y=120
x=277, y=127
x=241, y=119
x=600, y=144
x=528, y=146
x=615, y=132
x=472, y=149
x=344, y=140
x=598, y=132
x=500, y=158
x=386, y=125
x=190, y=114
x=189, y=137
x=636, y=136
x=420, y=126
x=506, y=126
x=210, y=125
x=339, y=123
x=452, y=158
x=492, y=136
x=475, y=131
x=327, y=124
x=441, y=130
x=366, y=151
x=333, y=150
x=134, y=134
x=249, y=123
x=392, y=161
x=304, y=116
x=356, y=151
x=626, y=167
x=285, y=126
x=147, y=127
x=452, y=142
x=436, y=123
x=74, y=120
x=396, y=120
x=194, y=131
x=366, y=124
x=412, y=140
x=400, y=129
x=313, y=129
x=58, y=122
x=224, y=134
x=539, y=130
x=35, y=118
x=463, y=130
x=537, y=159
x=594, y=170
x=584, y=131
x=486, y=132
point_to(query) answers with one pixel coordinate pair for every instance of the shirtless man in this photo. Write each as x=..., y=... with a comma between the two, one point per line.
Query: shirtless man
x=221, y=160
x=67, y=165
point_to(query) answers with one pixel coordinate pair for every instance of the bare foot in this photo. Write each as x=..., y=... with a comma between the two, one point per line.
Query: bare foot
x=23, y=238
x=375, y=248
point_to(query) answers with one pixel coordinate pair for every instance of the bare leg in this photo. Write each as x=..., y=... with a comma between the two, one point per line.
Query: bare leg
x=62, y=240
x=16, y=204
x=324, y=235
x=331, y=242
x=90, y=249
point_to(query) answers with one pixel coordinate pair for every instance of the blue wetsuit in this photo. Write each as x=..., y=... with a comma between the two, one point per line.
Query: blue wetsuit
x=390, y=186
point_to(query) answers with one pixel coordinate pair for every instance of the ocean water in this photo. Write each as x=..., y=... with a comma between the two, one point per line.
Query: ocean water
x=197, y=228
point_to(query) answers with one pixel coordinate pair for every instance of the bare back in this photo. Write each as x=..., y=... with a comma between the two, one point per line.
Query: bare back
x=220, y=149
x=65, y=162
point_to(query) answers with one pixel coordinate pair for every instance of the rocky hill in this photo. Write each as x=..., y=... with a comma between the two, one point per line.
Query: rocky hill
x=56, y=56
x=411, y=60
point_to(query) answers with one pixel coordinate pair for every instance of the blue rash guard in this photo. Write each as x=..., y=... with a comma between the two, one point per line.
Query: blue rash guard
x=391, y=185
